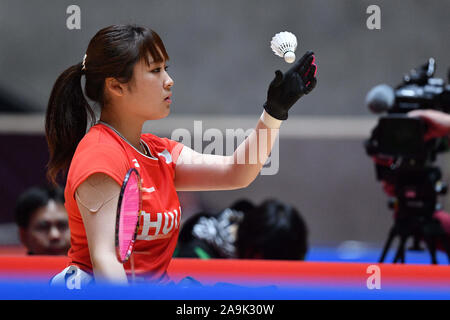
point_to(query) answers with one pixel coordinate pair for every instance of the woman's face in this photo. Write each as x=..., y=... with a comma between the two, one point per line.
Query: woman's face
x=149, y=91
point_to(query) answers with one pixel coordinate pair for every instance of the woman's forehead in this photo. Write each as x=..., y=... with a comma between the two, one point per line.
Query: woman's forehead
x=150, y=59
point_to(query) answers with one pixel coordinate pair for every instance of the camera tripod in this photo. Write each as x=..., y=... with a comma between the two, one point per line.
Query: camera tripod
x=414, y=204
x=428, y=230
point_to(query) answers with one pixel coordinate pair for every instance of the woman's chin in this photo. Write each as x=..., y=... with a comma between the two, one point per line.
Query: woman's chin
x=167, y=112
x=162, y=115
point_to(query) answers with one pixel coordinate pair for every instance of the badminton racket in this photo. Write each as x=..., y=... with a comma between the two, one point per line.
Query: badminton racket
x=127, y=219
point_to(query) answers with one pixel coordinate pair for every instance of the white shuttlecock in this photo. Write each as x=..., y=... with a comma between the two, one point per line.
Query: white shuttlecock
x=284, y=44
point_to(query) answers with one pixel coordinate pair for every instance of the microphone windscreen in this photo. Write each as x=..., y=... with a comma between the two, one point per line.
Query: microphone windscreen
x=380, y=98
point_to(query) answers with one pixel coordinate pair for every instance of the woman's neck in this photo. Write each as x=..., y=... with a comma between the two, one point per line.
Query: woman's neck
x=129, y=128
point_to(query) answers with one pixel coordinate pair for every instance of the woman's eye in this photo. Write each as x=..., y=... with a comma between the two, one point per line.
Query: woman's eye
x=157, y=70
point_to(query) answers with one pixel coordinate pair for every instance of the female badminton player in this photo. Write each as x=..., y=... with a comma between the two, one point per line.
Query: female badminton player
x=125, y=70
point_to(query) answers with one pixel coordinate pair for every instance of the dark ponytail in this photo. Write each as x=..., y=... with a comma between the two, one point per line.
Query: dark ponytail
x=66, y=119
x=112, y=52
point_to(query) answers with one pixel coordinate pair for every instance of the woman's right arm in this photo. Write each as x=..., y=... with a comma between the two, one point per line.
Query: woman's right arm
x=97, y=199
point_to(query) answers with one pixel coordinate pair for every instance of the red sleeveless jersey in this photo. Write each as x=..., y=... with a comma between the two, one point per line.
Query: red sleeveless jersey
x=103, y=150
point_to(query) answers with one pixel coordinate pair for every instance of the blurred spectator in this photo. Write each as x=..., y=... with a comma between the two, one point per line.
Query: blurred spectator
x=43, y=222
x=273, y=230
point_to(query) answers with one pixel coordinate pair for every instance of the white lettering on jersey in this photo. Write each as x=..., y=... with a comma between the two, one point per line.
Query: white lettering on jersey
x=166, y=155
x=171, y=223
x=167, y=229
x=136, y=163
x=149, y=190
x=176, y=218
x=147, y=224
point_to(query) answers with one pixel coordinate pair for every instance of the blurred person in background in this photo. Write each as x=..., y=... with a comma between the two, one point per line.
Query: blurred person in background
x=42, y=221
x=272, y=230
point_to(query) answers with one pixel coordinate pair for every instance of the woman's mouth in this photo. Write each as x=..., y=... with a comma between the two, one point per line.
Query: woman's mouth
x=168, y=99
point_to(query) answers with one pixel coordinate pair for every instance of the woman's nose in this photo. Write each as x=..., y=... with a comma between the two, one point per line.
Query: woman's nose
x=168, y=83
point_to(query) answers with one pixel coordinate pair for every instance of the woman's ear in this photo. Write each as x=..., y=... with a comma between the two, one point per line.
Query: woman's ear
x=114, y=88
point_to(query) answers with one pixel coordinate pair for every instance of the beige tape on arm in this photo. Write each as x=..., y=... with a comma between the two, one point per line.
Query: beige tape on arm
x=270, y=121
x=97, y=190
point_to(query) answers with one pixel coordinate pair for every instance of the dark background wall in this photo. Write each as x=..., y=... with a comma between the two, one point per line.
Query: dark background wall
x=222, y=64
x=221, y=60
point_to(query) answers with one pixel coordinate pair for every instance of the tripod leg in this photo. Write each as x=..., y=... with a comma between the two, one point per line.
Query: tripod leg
x=402, y=256
x=431, y=245
x=446, y=244
x=388, y=244
x=444, y=239
x=401, y=250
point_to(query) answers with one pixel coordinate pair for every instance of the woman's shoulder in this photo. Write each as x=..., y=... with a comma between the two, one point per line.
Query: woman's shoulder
x=100, y=148
x=99, y=151
x=98, y=139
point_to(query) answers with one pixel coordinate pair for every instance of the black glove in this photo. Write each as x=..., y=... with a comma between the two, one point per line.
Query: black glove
x=285, y=90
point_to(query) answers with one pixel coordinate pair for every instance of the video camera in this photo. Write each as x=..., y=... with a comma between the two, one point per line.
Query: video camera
x=399, y=136
x=403, y=158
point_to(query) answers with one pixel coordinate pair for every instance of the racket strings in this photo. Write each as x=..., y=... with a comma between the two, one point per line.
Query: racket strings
x=129, y=217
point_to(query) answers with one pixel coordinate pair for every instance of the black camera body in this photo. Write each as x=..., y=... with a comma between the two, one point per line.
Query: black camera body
x=398, y=139
x=397, y=135
x=421, y=91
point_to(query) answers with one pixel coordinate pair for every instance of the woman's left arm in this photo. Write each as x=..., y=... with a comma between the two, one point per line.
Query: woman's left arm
x=201, y=172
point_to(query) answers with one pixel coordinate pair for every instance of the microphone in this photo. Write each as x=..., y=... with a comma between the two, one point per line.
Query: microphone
x=380, y=98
